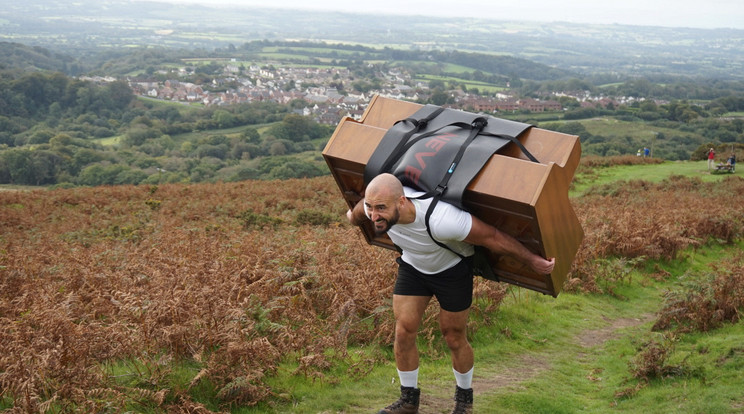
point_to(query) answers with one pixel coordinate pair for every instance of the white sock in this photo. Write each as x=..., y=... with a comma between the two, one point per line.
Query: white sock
x=408, y=378
x=464, y=381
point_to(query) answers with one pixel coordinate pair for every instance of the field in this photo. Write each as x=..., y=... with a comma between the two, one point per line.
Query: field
x=615, y=128
x=483, y=87
x=258, y=297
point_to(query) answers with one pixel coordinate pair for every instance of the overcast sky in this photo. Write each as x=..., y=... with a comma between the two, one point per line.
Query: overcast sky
x=706, y=14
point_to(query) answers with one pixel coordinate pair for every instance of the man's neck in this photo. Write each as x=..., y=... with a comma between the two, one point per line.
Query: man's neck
x=407, y=212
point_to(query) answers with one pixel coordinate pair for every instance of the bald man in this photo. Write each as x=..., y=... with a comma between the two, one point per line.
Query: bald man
x=427, y=270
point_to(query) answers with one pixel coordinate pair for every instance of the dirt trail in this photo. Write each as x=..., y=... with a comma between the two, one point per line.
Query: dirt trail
x=513, y=373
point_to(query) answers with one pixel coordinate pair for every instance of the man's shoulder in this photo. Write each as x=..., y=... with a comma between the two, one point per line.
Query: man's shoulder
x=413, y=193
x=444, y=213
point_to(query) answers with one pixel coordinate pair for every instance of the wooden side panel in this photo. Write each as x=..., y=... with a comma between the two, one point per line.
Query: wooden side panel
x=559, y=226
x=549, y=146
x=530, y=202
x=384, y=112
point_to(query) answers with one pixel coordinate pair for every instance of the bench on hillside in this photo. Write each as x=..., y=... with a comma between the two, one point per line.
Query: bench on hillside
x=723, y=168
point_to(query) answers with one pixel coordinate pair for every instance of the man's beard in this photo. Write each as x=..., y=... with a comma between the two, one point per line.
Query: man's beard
x=387, y=223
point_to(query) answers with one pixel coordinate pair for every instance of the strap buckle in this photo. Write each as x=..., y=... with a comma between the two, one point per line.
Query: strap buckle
x=479, y=123
x=421, y=124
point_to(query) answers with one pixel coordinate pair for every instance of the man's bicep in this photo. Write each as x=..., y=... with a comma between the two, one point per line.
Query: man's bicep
x=480, y=232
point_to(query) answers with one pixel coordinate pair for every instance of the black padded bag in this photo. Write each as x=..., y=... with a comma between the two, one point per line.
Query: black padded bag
x=440, y=151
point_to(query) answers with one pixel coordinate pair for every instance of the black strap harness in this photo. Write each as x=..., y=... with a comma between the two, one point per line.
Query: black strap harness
x=440, y=151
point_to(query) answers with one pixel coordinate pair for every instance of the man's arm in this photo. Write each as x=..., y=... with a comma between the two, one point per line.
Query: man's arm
x=483, y=234
x=356, y=215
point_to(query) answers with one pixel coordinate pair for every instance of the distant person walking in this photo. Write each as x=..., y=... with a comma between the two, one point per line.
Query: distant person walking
x=646, y=152
x=711, y=158
x=732, y=162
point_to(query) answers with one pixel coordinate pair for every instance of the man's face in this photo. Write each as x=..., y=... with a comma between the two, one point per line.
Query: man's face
x=383, y=212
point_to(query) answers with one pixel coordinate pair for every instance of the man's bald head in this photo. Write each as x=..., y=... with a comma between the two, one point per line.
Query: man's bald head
x=383, y=200
x=385, y=186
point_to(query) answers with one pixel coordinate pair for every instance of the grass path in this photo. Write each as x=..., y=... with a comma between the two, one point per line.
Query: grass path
x=524, y=357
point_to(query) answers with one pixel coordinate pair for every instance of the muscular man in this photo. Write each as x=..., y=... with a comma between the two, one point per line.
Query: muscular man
x=425, y=270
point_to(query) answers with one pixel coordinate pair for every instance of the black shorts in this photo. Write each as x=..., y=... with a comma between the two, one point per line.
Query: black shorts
x=453, y=287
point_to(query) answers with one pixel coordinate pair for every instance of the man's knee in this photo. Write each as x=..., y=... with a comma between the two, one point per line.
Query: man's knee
x=405, y=332
x=455, y=338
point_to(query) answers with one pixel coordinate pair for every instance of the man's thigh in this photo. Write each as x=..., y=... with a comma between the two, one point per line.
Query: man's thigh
x=409, y=310
x=454, y=322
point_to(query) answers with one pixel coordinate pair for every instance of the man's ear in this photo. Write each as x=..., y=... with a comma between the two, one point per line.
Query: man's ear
x=402, y=201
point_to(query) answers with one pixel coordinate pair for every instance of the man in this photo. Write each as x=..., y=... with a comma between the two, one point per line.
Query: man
x=426, y=270
x=711, y=158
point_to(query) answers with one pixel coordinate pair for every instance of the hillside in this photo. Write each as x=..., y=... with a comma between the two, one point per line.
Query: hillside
x=213, y=296
x=22, y=58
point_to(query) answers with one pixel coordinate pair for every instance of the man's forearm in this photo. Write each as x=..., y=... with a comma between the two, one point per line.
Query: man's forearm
x=356, y=215
x=499, y=242
x=506, y=244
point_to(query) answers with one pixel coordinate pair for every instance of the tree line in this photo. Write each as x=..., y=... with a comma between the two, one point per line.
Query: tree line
x=49, y=124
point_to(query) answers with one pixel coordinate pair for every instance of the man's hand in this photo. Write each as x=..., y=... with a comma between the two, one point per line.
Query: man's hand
x=542, y=266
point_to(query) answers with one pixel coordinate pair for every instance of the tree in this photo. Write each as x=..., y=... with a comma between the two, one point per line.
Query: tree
x=224, y=118
x=436, y=84
x=213, y=151
x=277, y=148
x=295, y=169
x=138, y=135
x=251, y=136
x=120, y=93
x=295, y=128
x=84, y=157
x=438, y=98
x=19, y=166
x=571, y=128
x=99, y=174
x=130, y=176
x=46, y=166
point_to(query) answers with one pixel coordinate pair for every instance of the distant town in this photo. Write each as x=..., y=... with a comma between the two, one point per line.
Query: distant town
x=326, y=103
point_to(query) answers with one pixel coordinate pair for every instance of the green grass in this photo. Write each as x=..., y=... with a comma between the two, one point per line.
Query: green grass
x=136, y=376
x=648, y=172
x=482, y=86
x=610, y=127
x=109, y=141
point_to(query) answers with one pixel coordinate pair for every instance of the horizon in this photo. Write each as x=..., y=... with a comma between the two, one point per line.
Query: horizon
x=715, y=14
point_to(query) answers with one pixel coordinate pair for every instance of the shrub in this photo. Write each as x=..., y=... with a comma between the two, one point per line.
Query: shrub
x=704, y=303
x=251, y=219
x=314, y=218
